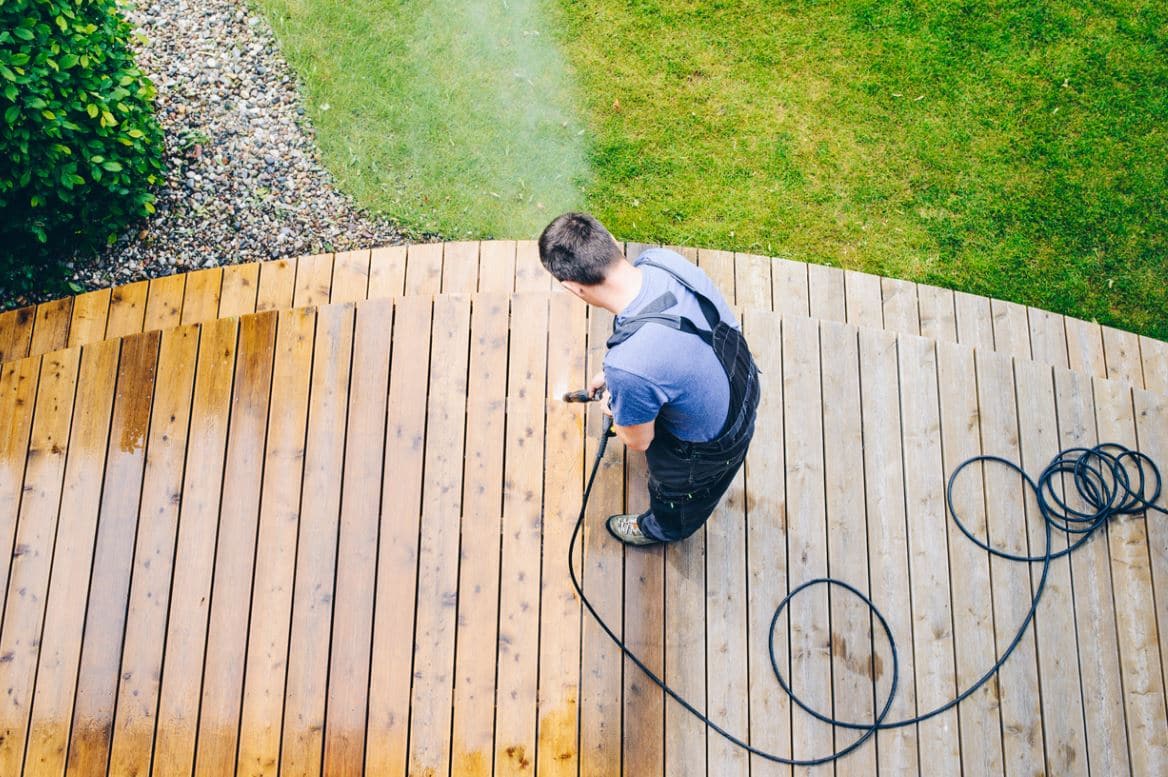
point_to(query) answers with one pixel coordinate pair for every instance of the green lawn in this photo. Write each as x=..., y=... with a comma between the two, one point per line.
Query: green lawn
x=1016, y=149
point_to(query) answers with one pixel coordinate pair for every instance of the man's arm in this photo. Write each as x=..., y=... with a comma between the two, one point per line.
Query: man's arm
x=636, y=437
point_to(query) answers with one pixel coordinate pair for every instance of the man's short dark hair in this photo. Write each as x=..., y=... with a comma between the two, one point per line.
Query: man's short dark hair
x=577, y=247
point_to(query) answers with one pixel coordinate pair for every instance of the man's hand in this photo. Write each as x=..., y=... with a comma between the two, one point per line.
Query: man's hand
x=596, y=384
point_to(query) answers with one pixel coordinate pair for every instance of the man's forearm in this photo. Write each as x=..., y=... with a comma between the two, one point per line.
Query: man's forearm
x=636, y=437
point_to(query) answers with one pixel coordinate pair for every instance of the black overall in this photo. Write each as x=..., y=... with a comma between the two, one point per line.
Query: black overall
x=688, y=479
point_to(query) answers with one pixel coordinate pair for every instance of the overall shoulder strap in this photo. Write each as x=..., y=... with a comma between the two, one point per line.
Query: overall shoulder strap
x=709, y=309
x=680, y=323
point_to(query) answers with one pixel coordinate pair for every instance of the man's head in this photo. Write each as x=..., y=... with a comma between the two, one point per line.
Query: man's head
x=578, y=251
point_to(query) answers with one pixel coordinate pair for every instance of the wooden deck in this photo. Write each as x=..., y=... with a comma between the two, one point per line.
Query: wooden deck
x=331, y=536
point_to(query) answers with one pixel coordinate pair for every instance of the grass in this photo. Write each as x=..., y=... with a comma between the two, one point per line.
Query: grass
x=1010, y=148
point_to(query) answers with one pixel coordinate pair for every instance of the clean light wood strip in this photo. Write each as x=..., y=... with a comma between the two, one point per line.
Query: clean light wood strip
x=863, y=298
x=752, y=280
x=271, y=595
x=88, y=319
x=201, y=297
x=969, y=567
x=387, y=272
x=186, y=632
x=302, y=745
x=826, y=287
x=1011, y=328
x=497, y=266
x=1131, y=574
x=529, y=272
x=975, y=324
x=164, y=302
x=1122, y=353
x=1062, y=699
x=1098, y=647
x=277, y=284
x=1085, y=347
x=240, y=289
x=1152, y=430
x=314, y=280
x=434, y=632
x=460, y=267
x=810, y=618
x=16, y=333
x=32, y=553
x=719, y=265
x=424, y=268
x=50, y=332
x=600, y=674
x=141, y=659
x=852, y=665
x=938, y=313
x=523, y=465
x=1048, y=338
x=888, y=557
x=18, y=391
x=1155, y=358
x=243, y=474
x=790, y=294
x=559, y=621
x=350, y=277
x=397, y=559
x=901, y=309
x=932, y=631
x=60, y=639
x=478, y=587
x=127, y=309
x=356, y=580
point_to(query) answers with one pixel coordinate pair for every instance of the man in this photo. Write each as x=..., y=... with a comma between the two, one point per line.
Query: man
x=682, y=385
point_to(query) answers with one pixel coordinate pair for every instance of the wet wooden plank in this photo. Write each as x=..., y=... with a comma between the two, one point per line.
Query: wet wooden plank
x=719, y=265
x=497, y=266
x=790, y=294
x=901, y=310
x=1151, y=410
x=186, y=632
x=279, y=520
x=460, y=267
x=350, y=277
x=529, y=272
x=975, y=324
x=60, y=639
x=438, y=551
x=16, y=333
x=302, y=746
x=50, y=331
x=1121, y=351
x=1048, y=337
x=18, y=391
x=277, y=284
x=201, y=296
x=1155, y=363
x=164, y=302
x=226, y=650
x=240, y=289
x=519, y=584
x=32, y=553
x=473, y=727
x=127, y=310
x=864, y=300
x=314, y=280
x=141, y=658
x=352, y=626
x=938, y=313
x=559, y=617
x=387, y=272
x=88, y=319
x=1085, y=347
x=752, y=280
x=401, y=497
x=826, y=288
x=424, y=268
x=1011, y=328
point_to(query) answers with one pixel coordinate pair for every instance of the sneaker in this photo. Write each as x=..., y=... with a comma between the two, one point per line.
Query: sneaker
x=627, y=529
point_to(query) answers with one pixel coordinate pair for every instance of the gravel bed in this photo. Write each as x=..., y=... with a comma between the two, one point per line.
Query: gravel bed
x=245, y=181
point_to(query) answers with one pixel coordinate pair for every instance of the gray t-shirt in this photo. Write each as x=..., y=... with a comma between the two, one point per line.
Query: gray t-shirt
x=661, y=371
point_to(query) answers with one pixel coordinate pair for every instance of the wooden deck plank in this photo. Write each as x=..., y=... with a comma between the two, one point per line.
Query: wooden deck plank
x=302, y=741
x=519, y=584
x=350, y=277
x=127, y=309
x=975, y=325
x=460, y=267
x=1011, y=328
x=1098, y=653
x=438, y=551
x=227, y=620
x=810, y=616
x=201, y=295
x=60, y=638
x=141, y=659
x=277, y=284
x=863, y=299
x=1121, y=351
x=888, y=557
x=752, y=281
x=980, y=727
x=423, y=268
x=1085, y=347
x=1131, y=574
x=473, y=728
x=924, y=483
x=560, y=612
x=826, y=288
x=719, y=265
x=186, y=632
x=387, y=272
x=1155, y=362
x=88, y=319
x=356, y=576
x=1065, y=736
x=314, y=280
x=16, y=333
x=164, y=302
x=901, y=309
x=497, y=266
x=1151, y=410
x=938, y=313
x=28, y=570
x=240, y=289
x=766, y=546
x=1048, y=338
x=18, y=392
x=789, y=293
x=50, y=331
x=401, y=497
x=529, y=272
x=851, y=638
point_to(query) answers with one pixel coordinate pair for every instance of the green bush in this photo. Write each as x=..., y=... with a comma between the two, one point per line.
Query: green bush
x=79, y=144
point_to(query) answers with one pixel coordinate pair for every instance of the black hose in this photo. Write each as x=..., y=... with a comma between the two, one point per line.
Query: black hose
x=1101, y=478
